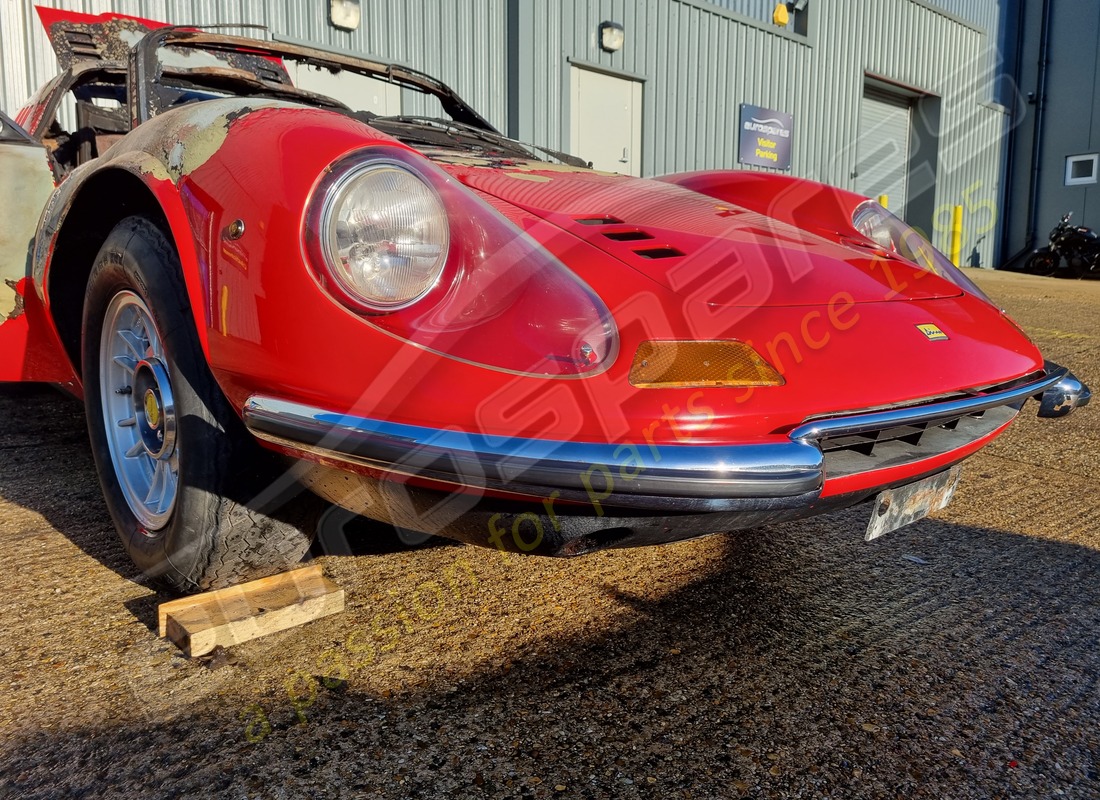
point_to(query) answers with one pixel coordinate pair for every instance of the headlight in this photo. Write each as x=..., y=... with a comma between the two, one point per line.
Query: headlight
x=384, y=235
x=418, y=255
x=894, y=236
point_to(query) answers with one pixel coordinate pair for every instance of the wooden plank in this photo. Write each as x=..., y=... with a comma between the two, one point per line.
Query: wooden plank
x=230, y=616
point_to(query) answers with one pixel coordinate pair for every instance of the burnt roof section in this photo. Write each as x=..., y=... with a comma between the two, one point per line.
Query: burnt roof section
x=83, y=39
x=180, y=39
x=86, y=38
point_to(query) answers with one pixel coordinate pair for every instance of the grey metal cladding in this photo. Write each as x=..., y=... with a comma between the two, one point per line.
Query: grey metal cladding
x=458, y=41
x=983, y=14
x=699, y=60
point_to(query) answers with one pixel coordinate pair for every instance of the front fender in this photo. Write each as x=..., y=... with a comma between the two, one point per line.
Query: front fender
x=177, y=164
x=231, y=180
x=152, y=174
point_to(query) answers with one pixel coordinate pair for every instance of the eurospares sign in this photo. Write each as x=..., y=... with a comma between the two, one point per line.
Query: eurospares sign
x=765, y=137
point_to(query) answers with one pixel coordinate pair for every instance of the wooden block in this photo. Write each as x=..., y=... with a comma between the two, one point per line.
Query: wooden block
x=227, y=617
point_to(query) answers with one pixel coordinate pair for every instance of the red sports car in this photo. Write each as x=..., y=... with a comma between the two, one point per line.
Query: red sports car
x=259, y=285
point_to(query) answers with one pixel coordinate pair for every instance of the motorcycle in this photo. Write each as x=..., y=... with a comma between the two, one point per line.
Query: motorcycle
x=1078, y=245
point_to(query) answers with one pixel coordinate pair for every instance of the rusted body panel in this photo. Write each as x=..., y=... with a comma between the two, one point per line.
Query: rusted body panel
x=81, y=38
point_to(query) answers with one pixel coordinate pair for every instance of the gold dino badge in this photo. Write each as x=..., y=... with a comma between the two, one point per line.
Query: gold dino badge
x=932, y=332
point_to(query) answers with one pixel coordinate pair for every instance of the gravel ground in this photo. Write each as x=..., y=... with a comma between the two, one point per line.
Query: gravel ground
x=954, y=658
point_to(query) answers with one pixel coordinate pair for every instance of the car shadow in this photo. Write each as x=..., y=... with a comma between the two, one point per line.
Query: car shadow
x=943, y=660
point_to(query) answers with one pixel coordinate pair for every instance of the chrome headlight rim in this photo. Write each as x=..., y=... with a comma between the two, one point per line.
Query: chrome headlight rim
x=325, y=206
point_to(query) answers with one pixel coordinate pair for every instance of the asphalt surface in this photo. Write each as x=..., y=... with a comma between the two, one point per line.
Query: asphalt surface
x=954, y=658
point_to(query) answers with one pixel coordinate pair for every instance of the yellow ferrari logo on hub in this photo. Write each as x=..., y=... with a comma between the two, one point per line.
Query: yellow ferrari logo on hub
x=152, y=408
x=932, y=332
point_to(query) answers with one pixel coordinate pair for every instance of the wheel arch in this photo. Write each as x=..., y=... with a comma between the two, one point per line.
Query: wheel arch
x=83, y=224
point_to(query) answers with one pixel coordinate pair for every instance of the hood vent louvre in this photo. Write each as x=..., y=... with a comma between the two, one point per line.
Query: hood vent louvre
x=659, y=252
x=653, y=252
x=628, y=236
x=599, y=221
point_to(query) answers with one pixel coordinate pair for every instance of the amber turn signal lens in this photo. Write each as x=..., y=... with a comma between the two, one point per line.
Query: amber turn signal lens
x=685, y=364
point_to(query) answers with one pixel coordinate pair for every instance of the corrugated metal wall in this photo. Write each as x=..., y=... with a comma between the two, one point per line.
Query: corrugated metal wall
x=700, y=62
x=984, y=14
x=461, y=42
x=914, y=45
x=698, y=65
x=757, y=9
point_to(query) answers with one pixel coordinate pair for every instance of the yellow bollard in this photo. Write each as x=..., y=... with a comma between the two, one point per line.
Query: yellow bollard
x=884, y=200
x=956, y=234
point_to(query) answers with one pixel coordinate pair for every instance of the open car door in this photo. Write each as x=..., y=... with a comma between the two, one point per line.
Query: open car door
x=29, y=349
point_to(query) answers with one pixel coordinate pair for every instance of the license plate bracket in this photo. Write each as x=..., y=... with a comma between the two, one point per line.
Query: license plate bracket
x=895, y=508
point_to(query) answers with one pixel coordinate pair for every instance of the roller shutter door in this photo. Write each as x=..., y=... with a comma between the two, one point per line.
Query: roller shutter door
x=882, y=152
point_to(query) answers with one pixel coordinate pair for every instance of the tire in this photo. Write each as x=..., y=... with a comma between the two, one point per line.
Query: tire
x=1093, y=262
x=1076, y=266
x=1041, y=262
x=197, y=503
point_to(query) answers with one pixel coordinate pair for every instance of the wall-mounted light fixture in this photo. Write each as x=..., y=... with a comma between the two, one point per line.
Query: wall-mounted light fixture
x=612, y=36
x=344, y=14
x=783, y=10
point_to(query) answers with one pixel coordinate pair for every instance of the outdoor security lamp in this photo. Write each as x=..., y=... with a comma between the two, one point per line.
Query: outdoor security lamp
x=611, y=36
x=783, y=10
x=344, y=14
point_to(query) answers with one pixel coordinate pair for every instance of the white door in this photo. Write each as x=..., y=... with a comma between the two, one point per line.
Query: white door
x=882, y=153
x=606, y=121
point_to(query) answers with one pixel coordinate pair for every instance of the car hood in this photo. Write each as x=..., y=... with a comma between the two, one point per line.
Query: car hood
x=708, y=251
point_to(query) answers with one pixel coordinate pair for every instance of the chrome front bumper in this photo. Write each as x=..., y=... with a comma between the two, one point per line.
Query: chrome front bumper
x=787, y=473
x=1064, y=396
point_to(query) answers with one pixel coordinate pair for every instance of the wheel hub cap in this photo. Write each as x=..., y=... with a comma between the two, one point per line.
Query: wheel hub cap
x=154, y=408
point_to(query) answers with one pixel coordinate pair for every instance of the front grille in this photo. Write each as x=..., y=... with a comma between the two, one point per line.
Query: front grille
x=850, y=454
x=880, y=438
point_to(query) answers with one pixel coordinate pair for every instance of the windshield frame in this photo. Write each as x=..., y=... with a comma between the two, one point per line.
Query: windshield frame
x=149, y=94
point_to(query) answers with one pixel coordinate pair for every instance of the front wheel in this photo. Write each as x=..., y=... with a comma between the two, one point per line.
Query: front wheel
x=197, y=503
x=1076, y=266
x=1041, y=262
